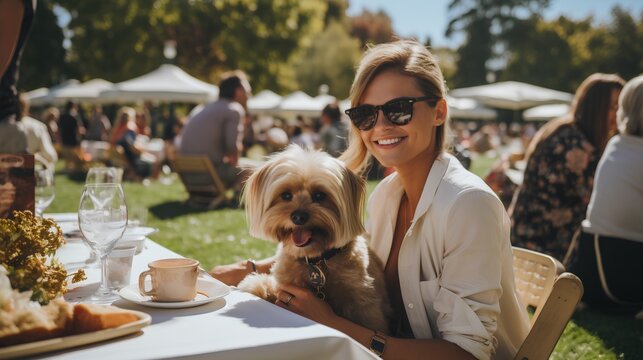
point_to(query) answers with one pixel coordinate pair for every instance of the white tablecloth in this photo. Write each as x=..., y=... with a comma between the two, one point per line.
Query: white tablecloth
x=239, y=326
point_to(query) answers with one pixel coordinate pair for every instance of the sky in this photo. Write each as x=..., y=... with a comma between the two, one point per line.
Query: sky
x=424, y=18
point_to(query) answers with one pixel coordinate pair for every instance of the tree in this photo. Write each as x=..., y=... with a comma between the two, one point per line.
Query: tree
x=561, y=53
x=375, y=28
x=119, y=39
x=331, y=59
x=43, y=59
x=477, y=18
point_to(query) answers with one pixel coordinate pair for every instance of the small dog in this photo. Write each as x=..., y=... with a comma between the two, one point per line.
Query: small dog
x=311, y=204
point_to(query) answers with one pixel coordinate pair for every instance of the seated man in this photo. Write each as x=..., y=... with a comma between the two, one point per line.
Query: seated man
x=217, y=130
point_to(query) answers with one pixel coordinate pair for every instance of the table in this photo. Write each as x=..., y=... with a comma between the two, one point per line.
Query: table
x=239, y=326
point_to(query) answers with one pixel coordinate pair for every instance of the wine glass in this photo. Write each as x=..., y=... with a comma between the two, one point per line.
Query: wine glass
x=45, y=191
x=102, y=217
x=101, y=175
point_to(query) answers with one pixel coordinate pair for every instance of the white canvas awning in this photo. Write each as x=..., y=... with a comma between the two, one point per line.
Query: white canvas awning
x=86, y=92
x=512, y=95
x=299, y=103
x=546, y=112
x=44, y=96
x=264, y=101
x=463, y=108
x=167, y=83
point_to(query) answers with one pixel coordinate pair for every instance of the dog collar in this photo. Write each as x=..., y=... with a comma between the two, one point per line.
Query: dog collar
x=316, y=276
x=326, y=255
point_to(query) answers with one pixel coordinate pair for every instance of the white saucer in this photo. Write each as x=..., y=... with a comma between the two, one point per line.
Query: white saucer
x=208, y=290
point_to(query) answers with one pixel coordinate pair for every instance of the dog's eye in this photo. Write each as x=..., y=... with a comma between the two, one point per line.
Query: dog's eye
x=286, y=195
x=319, y=196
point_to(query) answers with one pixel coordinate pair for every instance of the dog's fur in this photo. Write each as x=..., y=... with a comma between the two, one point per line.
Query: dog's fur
x=315, y=185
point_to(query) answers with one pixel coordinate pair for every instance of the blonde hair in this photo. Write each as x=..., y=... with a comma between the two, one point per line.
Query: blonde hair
x=629, y=116
x=409, y=58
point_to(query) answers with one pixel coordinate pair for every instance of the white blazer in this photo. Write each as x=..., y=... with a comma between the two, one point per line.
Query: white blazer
x=455, y=262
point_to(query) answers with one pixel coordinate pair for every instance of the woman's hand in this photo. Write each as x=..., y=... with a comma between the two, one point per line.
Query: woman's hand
x=303, y=302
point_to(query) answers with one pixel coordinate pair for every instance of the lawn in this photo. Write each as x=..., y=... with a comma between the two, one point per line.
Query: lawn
x=220, y=236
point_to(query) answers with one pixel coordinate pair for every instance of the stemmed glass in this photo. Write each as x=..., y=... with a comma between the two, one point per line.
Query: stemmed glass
x=45, y=191
x=102, y=216
x=101, y=175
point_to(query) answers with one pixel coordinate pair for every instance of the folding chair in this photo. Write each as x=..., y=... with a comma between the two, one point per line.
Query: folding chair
x=541, y=283
x=118, y=159
x=201, y=181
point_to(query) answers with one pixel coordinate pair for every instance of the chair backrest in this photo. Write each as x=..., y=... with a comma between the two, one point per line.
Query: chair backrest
x=555, y=295
x=198, y=175
x=535, y=274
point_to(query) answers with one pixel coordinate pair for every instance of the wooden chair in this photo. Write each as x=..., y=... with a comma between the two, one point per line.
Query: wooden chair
x=201, y=181
x=541, y=283
x=118, y=159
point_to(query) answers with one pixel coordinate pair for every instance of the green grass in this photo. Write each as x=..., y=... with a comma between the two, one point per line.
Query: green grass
x=220, y=237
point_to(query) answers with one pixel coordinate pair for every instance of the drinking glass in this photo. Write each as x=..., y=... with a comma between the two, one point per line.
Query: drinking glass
x=102, y=217
x=45, y=191
x=102, y=175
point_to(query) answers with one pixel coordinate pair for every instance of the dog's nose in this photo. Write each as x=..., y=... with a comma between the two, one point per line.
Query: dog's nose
x=299, y=217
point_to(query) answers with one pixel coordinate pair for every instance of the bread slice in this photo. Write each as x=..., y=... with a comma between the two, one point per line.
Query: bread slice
x=93, y=317
x=35, y=323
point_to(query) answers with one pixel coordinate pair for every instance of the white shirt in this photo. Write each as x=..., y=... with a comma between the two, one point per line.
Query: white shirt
x=616, y=206
x=455, y=262
x=39, y=141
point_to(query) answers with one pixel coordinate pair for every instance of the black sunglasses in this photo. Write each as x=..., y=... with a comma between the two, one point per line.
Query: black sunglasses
x=398, y=111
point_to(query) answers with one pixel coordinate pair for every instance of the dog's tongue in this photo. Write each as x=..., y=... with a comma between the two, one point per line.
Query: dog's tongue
x=301, y=236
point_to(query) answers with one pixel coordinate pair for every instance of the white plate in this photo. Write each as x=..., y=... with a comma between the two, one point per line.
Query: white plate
x=138, y=232
x=66, y=342
x=62, y=217
x=208, y=290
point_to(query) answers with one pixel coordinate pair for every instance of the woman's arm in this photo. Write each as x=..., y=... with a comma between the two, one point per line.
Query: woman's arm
x=305, y=303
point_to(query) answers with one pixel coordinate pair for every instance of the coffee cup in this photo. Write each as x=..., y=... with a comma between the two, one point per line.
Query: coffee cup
x=172, y=280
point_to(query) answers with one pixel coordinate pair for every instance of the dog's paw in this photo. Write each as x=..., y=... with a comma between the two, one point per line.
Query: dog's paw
x=261, y=285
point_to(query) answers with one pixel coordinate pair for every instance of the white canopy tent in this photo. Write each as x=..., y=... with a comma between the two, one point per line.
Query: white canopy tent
x=546, y=112
x=87, y=92
x=44, y=96
x=264, y=102
x=469, y=109
x=167, y=83
x=512, y=95
x=299, y=103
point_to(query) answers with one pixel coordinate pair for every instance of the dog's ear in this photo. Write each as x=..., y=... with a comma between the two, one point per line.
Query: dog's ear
x=355, y=187
x=254, y=200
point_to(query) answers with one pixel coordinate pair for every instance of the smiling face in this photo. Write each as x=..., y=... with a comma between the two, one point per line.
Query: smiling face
x=407, y=145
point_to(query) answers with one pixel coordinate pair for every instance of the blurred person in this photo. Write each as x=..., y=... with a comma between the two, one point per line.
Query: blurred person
x=38, y=140
x=16, y=18
x=442, y=234
x=143, y=122
x=144, y=164
x=51, y=117
x=334, y=133
x=608, y=252
x=302, y=136
x=99, y=125
x=551, y=202
x=217, y=130
x=71, y=127
x=120, y=126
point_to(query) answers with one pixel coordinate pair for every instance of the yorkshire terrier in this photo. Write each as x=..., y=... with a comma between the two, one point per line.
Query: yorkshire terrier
x=311, y=204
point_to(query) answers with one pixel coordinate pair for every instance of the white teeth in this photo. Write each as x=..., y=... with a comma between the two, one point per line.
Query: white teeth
x=389, y=141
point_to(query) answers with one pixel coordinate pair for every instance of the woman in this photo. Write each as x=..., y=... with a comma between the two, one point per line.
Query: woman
x=610, y=247
x=442, y=233
x=551, y=202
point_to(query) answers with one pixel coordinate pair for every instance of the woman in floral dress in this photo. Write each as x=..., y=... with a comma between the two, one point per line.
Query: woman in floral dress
x=551, y=202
